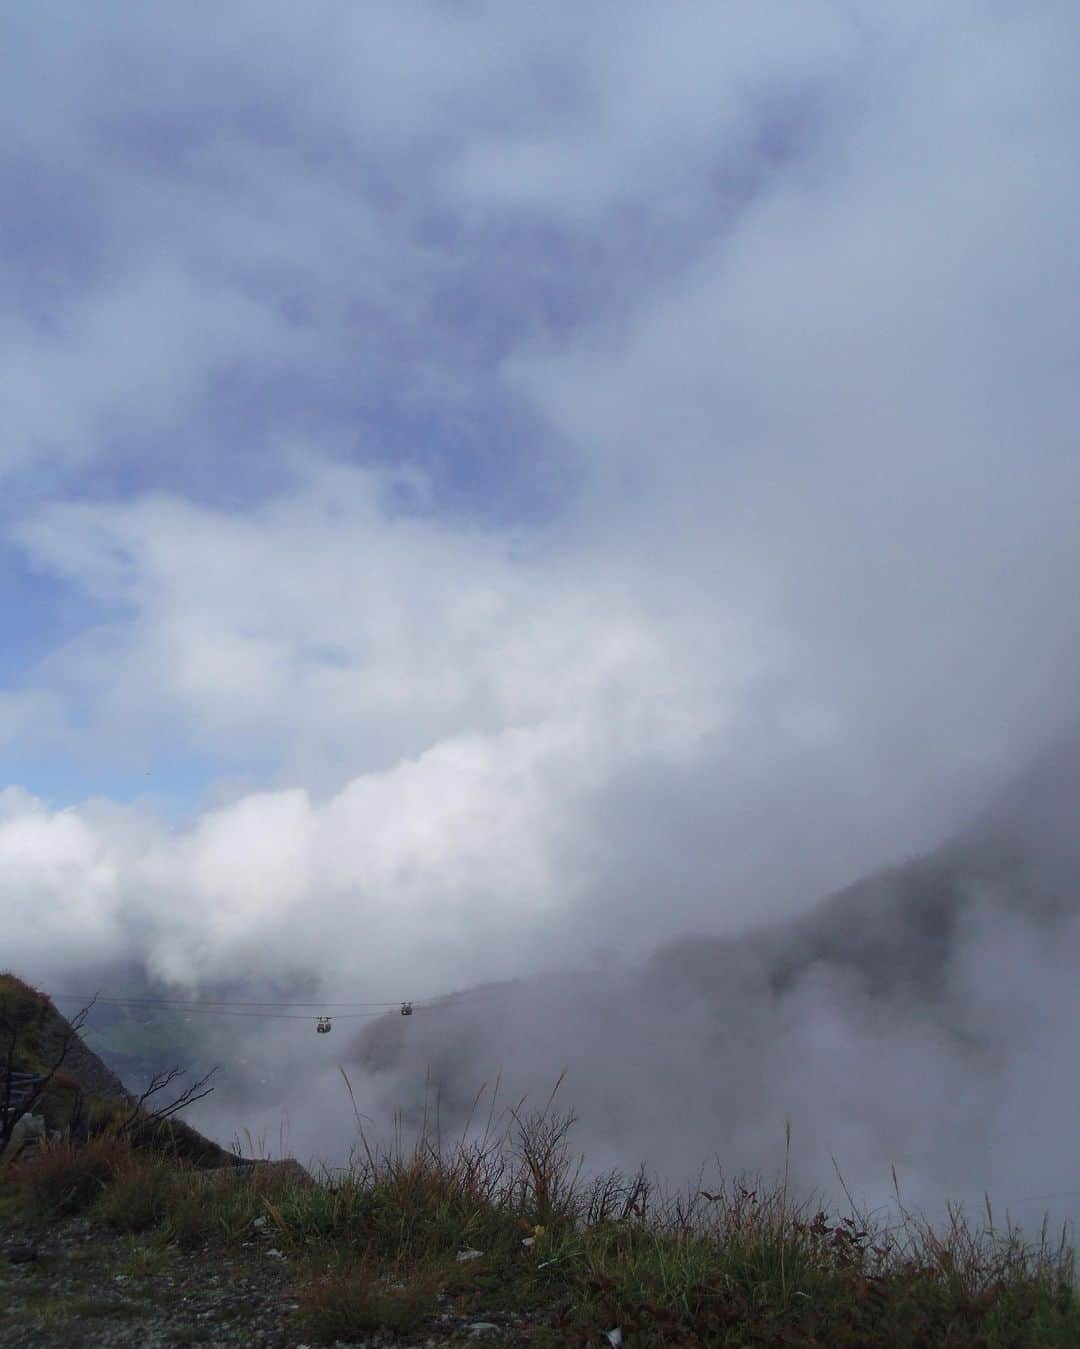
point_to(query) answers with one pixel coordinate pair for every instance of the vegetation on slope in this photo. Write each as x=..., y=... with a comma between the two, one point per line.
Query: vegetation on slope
x=501, y=1221
x=77, y=1095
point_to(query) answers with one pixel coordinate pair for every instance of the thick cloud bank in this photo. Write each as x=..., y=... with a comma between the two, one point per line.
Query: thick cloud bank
x=923, y=1021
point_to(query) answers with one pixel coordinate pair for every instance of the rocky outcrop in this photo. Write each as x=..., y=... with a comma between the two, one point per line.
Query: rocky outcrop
x=28, y=1129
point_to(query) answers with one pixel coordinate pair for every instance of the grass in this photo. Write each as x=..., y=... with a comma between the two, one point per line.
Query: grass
x=139, y=1195
x=375, y=1247
x=365, y=1298
x=145, y=1258
x=27, y=1010
x=68, y=1177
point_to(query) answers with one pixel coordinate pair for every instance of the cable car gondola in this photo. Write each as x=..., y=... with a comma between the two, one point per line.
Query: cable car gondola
x=323, y=1025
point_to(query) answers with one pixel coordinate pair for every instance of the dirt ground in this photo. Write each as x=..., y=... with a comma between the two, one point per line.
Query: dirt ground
x=75, y=1284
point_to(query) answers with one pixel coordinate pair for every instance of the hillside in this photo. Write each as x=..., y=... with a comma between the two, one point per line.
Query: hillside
x=896, y=931
x=40, y=1037
x=81, y=1093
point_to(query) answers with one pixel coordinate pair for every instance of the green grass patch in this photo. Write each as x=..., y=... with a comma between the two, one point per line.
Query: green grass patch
x=503, y=1220
x=140, y=1193
x=146, y=1256
x=742, y=1264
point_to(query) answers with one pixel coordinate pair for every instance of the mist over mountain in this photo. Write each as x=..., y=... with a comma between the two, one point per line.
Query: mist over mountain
x=925, y=1017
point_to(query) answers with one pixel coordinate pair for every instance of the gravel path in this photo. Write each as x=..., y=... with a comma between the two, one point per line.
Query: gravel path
x=79, y=1285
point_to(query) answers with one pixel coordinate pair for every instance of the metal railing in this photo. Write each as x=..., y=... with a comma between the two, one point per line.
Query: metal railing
x=16, y=1090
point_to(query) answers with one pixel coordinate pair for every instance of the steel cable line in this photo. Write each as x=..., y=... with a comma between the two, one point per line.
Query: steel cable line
x=266, y=1016
x=271, y=1011
x=118, y=1000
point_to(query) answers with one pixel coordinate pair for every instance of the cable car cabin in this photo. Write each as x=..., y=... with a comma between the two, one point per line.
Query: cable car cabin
x=406, y=1009
x=323, y=1025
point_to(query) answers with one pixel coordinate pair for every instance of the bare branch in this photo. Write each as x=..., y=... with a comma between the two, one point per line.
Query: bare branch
x=140, y=1117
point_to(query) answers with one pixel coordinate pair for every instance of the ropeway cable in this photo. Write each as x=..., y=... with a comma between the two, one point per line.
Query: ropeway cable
x=118, y=1000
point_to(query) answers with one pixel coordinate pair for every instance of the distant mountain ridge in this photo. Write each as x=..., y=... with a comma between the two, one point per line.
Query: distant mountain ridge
x=899, y=947
x=896, y=927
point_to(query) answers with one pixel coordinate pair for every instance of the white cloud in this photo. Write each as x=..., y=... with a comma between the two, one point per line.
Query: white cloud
x=320, y=632
x=453, y=706
x=853, y=407
x=656, y=109
x=59, y=876
x=438, y=871
x=29, y=714
x=127, y=362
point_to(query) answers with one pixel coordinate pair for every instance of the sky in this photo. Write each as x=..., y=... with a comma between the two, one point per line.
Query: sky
x=488, y=489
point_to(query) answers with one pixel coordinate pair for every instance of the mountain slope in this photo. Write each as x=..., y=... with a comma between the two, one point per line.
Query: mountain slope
x=81, y=1090
x=923, y=1015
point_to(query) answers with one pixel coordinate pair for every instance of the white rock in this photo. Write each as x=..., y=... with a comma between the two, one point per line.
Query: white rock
x=27, y=1128
x=470, y=1254
x=615, y=1336
x=479, y=1328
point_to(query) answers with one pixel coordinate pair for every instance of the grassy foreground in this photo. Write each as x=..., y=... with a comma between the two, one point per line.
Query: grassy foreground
x=377, y=1246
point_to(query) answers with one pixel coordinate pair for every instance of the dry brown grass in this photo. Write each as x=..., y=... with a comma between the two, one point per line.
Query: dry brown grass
x=66, y=1177
x=366, y=1298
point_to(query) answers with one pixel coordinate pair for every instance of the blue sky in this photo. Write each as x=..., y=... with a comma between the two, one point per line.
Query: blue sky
x=455, y=440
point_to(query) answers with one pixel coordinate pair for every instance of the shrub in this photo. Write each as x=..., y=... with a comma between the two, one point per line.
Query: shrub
x=139, y=1196
x=206, y=1206
x=188, y=1221
x=66, y=1177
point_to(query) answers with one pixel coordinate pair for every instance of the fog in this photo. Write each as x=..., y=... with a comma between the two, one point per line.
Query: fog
x=529, y=509
x=921, y=1022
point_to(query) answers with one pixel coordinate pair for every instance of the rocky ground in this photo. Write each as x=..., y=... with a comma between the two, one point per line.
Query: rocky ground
x=77, y=1284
